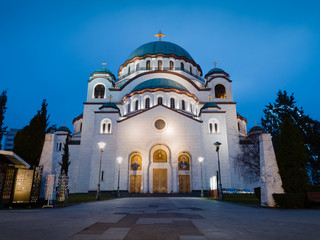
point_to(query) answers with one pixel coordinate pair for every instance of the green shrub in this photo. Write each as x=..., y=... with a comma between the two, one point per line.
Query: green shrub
x=290, y=200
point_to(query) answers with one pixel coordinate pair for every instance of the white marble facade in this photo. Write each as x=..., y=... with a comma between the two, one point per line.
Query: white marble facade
x=194, y=112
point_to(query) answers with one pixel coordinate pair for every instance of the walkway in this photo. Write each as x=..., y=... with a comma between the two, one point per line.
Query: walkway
x=159, y=218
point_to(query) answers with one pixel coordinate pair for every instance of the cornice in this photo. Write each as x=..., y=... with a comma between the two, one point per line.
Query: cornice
x=91, y=79
x=145, y=110
x=217, y=77
x=159, y=71
x=213, y=112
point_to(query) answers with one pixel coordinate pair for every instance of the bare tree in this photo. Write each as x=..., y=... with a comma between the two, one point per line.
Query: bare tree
x=248, y=161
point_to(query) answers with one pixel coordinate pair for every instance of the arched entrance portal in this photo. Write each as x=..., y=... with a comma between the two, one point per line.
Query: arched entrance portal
x=160, y=170
x=184, y=173
x=160, y=176
x=135, y=173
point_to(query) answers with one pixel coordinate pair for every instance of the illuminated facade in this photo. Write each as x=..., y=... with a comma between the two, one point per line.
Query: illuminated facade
x=160, y=116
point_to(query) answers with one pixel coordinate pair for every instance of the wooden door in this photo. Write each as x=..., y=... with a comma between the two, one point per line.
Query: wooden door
x=160, y=181
x=184, y=183
x=135, y=183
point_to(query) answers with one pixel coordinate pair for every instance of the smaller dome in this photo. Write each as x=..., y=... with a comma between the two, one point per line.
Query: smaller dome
x=63, y=128
x=104, y=70
x=109, y=105
x=215, y=70
x=159, y=83
x=257, y=130
x=209, y=104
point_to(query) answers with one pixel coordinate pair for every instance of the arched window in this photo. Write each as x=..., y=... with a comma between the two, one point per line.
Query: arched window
x=172, y=103
x=80, y=127
x=136, y=103
x=128, y=70
x=182, y=66
x=105, y=126
x=183, y=105
x=159, y=65
x=171, y=65
x=191, y=108
x=220, y=91
x=213, y=126
x=137, y=67
x=239, y=126
x=128, y=108
x=159, y=100
x=190, y=70
x=148, y=65
x=99, y=91
x=147, y=105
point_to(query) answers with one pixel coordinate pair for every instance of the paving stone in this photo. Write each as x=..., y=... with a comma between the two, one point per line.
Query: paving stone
x=112, y=218
x=217, y=221
x=192, y=238
x=114, y=234
x=181, y=219
x=153, y=220
x=84, y=237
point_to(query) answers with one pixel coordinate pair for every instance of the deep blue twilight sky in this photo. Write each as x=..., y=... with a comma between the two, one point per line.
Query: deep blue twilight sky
x=48, y=49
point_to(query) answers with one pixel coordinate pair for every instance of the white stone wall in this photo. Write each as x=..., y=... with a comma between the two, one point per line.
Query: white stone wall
x=85, y=151
x=270, y=178
x=138, y=134
x=46, y=159
x=74, y=167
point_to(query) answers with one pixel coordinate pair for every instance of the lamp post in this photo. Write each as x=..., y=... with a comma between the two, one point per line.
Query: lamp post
x=119, y=160
x=101, y=147
x=200, y=159
x=217, y=144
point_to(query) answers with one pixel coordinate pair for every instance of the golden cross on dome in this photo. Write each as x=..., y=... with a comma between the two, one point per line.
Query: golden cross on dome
x=160, y=35
x=215, y=64
x=64, y=123
x=104, y=65
x=255, y=122
x=110, y=97
x=209, y=98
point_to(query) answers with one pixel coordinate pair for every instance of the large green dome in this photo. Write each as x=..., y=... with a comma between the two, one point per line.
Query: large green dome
x=160, y=47
x=159, y=83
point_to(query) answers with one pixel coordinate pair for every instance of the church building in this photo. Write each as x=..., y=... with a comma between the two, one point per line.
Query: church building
x=157, y=118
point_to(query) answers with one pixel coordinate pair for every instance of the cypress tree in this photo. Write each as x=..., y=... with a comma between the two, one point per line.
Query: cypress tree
x=29, y=141
x=292, y=158
x=285, y=108
x=65, y=163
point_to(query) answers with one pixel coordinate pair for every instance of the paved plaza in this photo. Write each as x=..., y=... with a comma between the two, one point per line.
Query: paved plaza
x=159, y=218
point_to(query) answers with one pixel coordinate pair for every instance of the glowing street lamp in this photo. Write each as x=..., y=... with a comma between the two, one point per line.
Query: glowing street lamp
x=200, y=159
x=119, y=160
x=101, y=147
x=218, y=144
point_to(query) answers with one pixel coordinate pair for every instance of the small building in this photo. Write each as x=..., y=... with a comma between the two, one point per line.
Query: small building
x=9, y=139
x=18, y=184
